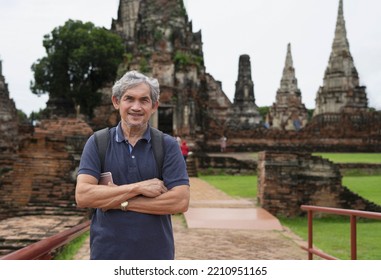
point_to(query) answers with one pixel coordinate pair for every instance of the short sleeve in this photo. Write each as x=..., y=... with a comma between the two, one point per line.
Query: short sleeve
x=90, y=162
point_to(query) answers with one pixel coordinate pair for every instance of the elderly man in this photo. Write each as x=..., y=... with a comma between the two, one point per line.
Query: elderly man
x=133, y=216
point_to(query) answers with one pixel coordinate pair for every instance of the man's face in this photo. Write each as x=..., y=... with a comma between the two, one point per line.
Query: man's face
x=135, y=106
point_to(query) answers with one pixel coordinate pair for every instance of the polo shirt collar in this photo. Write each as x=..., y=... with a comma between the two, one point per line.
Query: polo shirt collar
x=119, y=136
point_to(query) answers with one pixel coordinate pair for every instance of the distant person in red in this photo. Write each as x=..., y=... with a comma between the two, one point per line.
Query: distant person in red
x=184, y=149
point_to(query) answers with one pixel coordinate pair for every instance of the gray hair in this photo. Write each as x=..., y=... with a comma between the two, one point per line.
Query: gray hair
x=132, y=79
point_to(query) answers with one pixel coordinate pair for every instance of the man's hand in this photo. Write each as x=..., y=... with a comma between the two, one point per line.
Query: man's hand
x=152, y=188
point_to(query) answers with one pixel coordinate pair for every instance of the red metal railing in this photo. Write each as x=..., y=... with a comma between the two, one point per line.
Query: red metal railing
x=42, y=250
x=353, y=214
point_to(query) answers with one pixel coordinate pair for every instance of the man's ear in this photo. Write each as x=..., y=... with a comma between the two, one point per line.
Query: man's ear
x=155, y=106
x=115, y=102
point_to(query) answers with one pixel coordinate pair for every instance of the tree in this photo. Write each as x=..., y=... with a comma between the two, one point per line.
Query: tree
x=81, y=59
x=263, y=111
x=22, y=117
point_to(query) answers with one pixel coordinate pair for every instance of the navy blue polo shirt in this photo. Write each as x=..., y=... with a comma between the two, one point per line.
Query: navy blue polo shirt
x=124, y=235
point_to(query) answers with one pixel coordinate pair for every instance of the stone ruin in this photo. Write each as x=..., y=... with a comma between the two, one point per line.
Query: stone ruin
x=288, y=180
x=43, y=174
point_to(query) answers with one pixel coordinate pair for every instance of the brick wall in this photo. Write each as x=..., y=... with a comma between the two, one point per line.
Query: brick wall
x=325, y=133
x=288, y=180
x=43, y=176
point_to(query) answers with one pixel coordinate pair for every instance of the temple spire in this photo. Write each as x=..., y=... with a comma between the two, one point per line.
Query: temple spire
x=289, y=62
x=288, y=112
x=340, y=41
x=341, y=90
x=289, y=81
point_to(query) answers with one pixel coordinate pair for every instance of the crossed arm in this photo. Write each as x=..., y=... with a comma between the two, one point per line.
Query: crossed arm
x=150, y=196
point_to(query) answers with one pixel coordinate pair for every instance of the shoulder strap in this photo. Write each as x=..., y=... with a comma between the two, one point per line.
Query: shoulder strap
x=101, y=138
x=158, y=149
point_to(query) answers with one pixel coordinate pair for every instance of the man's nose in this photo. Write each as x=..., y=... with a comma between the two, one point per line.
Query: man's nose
x=136, y=105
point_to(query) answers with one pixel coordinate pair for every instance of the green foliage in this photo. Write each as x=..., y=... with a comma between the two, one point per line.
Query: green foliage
x=310, y=113
x=36, y=115
x=158, y=35
x=263, y=111
x=183, y=11
x=143, y=65
x=183, y=59
x=127, y=58
x=68, y=252
x=81, y=59
x=124, y=66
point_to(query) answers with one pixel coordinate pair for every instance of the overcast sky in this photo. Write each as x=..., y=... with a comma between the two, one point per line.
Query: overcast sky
x=260, y=28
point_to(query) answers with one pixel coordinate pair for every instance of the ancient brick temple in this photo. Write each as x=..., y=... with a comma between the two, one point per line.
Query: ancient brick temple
x=244, y=114
x=288, y=112
x=160, y=41
x=341, y=92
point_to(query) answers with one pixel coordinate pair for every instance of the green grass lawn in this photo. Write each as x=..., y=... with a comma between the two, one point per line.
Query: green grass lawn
x=241, y=186
x=352, y=157
x=368, y=187
x=345, y=157
x=331, y=234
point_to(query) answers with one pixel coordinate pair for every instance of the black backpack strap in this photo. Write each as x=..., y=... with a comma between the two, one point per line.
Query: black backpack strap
x=157, y=143
x=102, y=138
